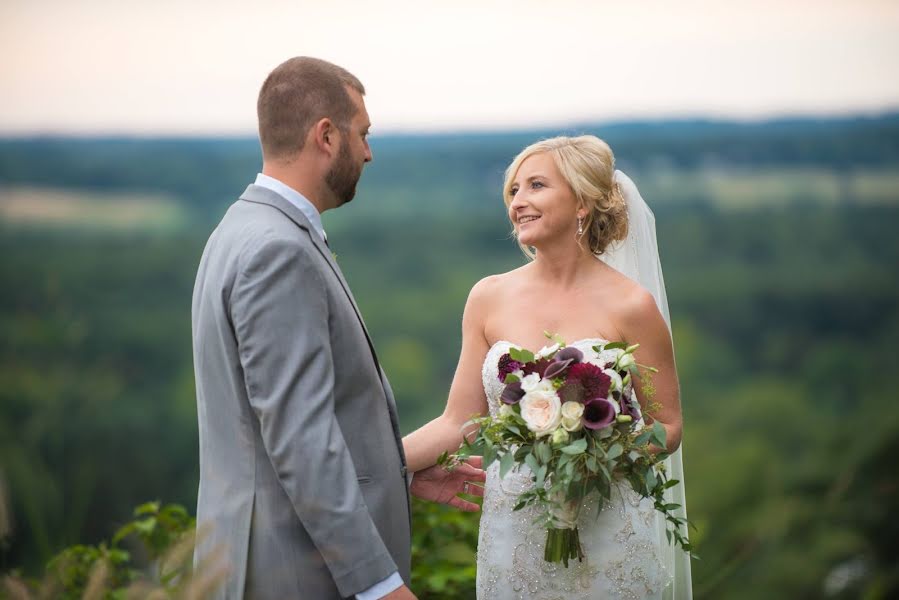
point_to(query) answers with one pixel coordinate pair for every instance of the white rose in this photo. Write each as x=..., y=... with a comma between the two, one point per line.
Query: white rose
x=571, y=416
x=533, y=383
x=541, y=411
x=546, y=351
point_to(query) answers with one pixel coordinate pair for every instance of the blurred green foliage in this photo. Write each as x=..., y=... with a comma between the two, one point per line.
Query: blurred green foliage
x=109, y=571
x=785, y=315
x=442, y=542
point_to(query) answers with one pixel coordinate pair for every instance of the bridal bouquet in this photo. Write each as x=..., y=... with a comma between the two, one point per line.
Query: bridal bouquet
x=575, y=422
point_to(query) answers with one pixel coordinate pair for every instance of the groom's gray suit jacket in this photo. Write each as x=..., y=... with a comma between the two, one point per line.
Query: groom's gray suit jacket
x=302, y=476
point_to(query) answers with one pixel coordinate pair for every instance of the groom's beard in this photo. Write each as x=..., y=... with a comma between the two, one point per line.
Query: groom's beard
x=343, y=176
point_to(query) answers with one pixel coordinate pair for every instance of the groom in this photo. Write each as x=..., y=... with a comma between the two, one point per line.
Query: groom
x=303, y=480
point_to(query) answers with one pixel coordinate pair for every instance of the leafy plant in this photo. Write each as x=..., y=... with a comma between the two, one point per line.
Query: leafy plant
x=106, y=571
x=443, y=551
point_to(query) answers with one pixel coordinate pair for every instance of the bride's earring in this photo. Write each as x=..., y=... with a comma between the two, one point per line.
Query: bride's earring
x=580, y=226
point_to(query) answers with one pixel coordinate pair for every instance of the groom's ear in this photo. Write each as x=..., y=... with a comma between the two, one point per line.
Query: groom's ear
x=324, y=136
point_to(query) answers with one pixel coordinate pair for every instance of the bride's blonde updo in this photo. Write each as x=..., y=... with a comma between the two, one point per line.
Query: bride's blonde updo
x=588, y=167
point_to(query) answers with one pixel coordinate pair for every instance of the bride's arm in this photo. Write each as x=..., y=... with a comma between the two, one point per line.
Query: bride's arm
x=466, y=396
x=643, y=324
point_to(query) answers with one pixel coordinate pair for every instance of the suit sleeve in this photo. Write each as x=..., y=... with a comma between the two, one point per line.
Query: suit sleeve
x=279, y=310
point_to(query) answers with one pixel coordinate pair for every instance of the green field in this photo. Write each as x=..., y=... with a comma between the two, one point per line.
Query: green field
x=66, y=210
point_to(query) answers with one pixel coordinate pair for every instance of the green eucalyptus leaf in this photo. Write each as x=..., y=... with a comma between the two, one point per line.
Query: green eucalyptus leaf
x=531, y=461
x=659, y=435
x=506, y=463
x=489, y=456
x=614, y=452
x=576, y=447
x=615, y=346
x=544, y=453
x=522, y=356
x=651, y=479
x=522, y=452
x=541, y=476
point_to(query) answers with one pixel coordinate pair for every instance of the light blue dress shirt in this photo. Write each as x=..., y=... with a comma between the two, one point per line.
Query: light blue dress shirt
x=394, y=582
x=295, y=198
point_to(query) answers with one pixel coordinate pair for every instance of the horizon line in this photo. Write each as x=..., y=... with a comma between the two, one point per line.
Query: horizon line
x=472, y=131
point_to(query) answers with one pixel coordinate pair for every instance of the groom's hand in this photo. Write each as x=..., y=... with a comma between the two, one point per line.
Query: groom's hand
x=439, y=485
x=401, y=593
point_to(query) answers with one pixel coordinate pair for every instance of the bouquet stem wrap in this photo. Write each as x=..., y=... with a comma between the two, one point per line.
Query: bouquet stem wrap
x=563, y=540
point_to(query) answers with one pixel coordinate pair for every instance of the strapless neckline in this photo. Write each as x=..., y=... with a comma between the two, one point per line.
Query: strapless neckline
x=574, y=343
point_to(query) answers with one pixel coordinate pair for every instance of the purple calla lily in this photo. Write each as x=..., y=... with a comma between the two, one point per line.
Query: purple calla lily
x=556, y=368
x=570, y=353
x=512, y=393
x=598, y=413
x=631, y=408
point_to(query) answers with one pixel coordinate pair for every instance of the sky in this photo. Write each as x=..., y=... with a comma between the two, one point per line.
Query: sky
x=194, y=67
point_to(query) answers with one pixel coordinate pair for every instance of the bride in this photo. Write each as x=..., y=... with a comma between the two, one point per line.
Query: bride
x=568, y=206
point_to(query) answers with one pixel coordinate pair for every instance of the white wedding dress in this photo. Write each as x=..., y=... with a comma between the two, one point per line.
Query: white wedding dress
x=627, y=553
x=621, y=540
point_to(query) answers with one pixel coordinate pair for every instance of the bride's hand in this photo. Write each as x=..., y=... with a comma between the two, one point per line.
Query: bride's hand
x=439, y=485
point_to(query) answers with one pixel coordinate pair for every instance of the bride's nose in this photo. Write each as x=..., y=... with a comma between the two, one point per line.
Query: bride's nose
x=517, y=203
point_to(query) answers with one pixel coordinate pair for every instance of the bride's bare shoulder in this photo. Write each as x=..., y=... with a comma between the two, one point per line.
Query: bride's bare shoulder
x=631, y=300
x=491, y=288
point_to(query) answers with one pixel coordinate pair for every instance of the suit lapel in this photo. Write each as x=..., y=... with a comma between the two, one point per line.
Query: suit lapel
x=261, y=195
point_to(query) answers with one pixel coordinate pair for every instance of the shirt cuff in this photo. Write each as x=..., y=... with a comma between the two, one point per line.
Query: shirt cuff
x=382, y=588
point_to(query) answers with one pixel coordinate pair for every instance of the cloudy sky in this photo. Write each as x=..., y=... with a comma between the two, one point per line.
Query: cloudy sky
x=195, y=66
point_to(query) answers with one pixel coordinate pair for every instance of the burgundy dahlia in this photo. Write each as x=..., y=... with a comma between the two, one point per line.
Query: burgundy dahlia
x=507, y=366
x=594, y=382
x=539, y=367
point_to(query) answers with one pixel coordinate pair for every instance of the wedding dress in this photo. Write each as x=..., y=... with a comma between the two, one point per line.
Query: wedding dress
x=627, y=555
x=621, y=543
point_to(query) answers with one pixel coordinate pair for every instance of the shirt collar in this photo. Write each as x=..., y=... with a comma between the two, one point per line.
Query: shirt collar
x=295, y=198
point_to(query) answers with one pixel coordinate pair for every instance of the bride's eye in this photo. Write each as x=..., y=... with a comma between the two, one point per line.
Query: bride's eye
x=512, y=191
x=537, y=184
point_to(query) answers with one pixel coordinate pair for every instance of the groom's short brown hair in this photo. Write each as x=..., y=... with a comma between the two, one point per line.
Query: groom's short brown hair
x=299, y=92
